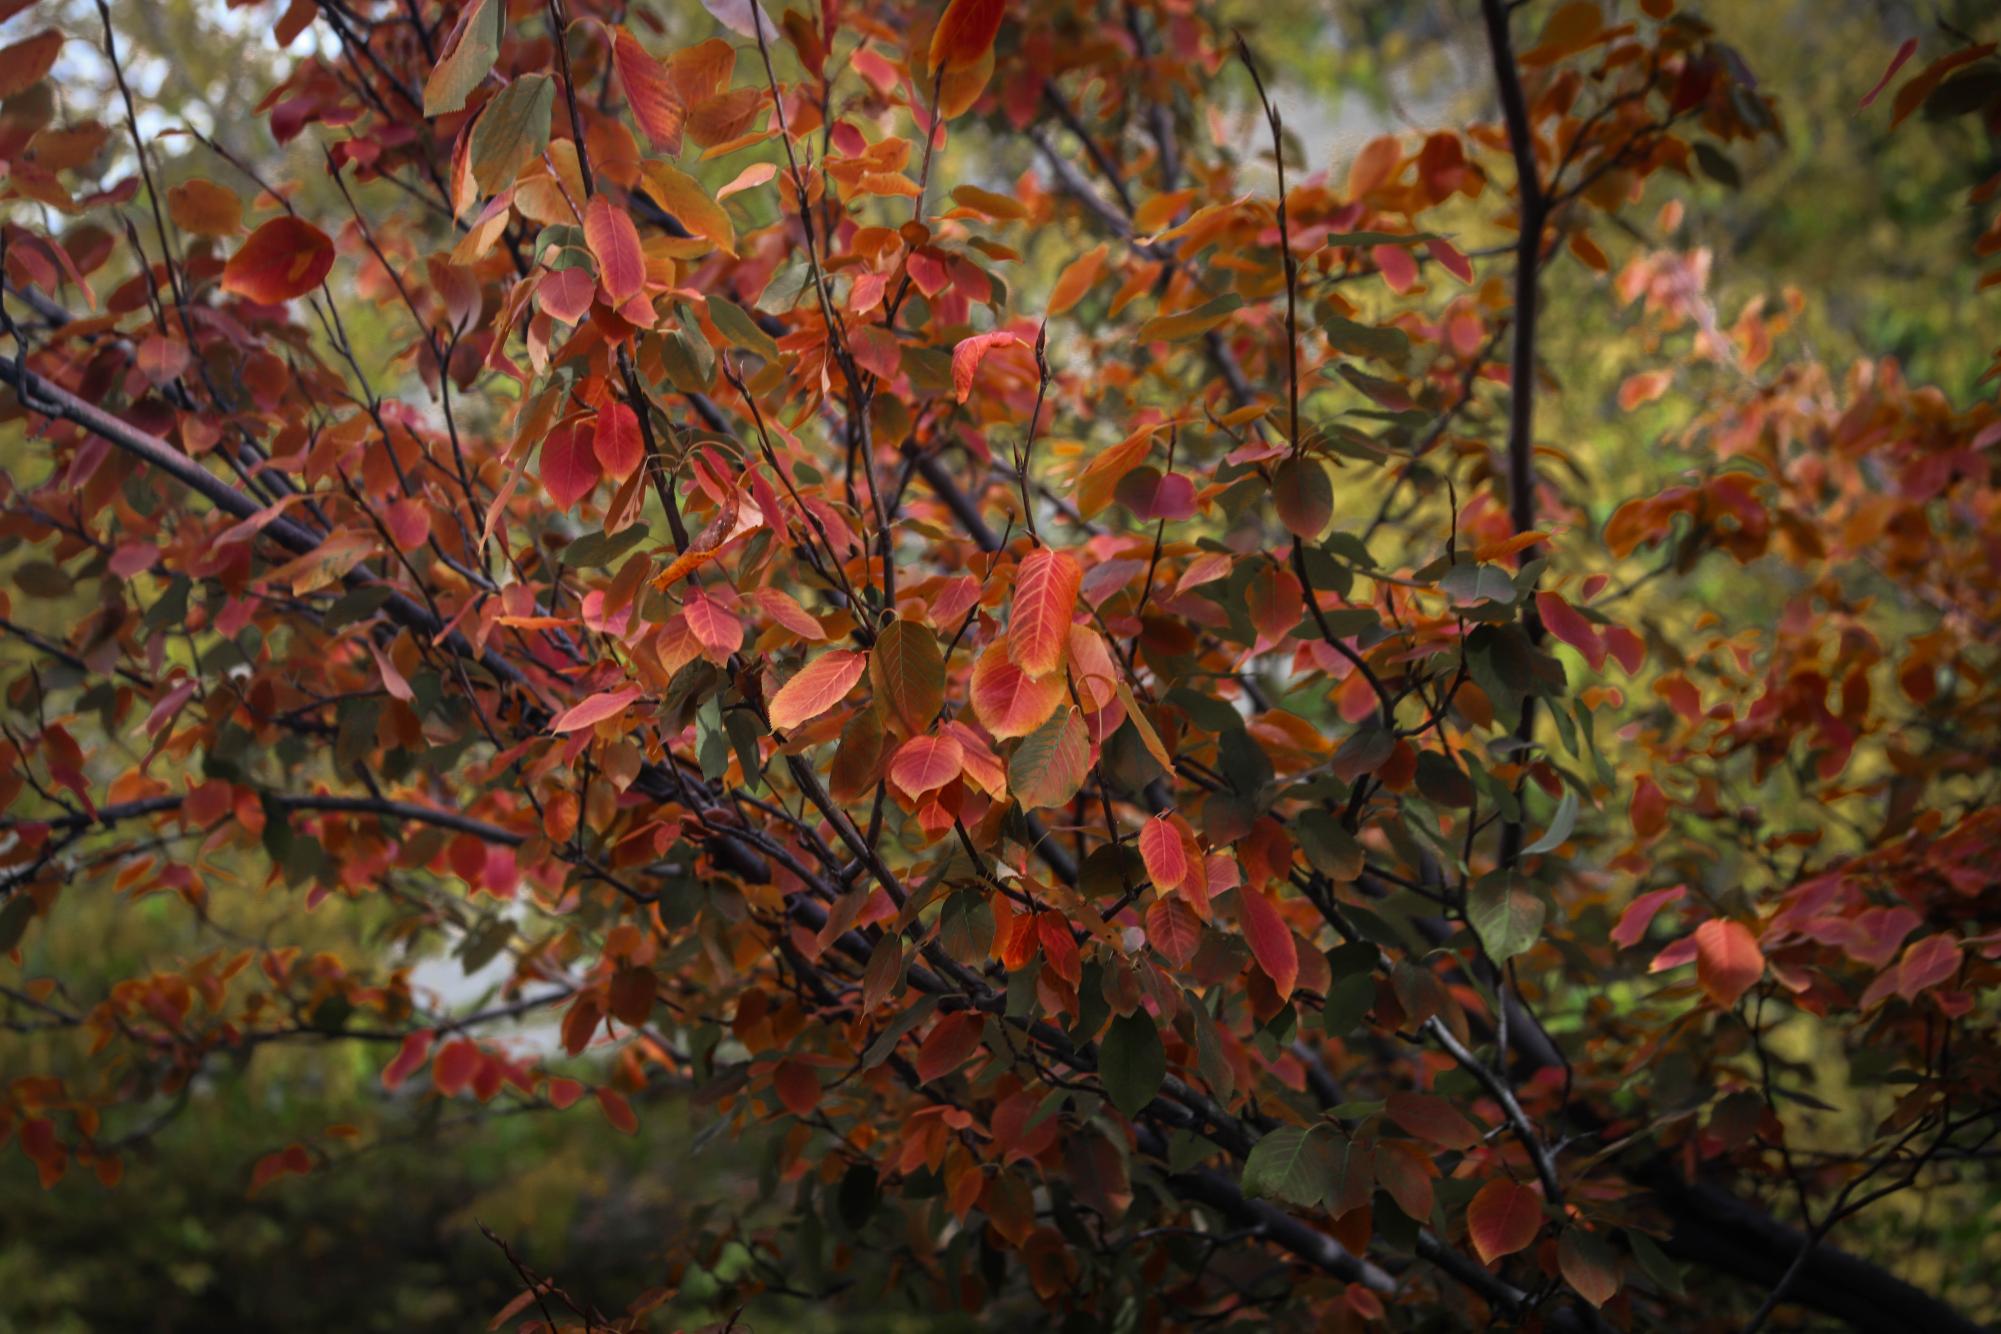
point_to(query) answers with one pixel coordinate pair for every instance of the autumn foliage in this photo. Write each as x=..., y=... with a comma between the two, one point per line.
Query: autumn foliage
x=928, y=586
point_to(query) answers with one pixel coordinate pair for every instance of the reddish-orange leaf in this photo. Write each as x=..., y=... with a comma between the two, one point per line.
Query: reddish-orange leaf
x=1728, y=962
x=456, y=1063
x=563, y=1093
x=1173, y=928
x=617, y=1111
x=926, y=762
x=23, y=64
x=1502, y=1219
x=965, y=33
x=966, y=358
x=797, y=1085
x=1904, y=53
x=592, y=711
x=1045, y=597
x=1166, y=859
x=1270, y=939
x=1640, y=912
x=614, y=243
x=1008, y=701
x=949, y=1045
x=1649, y=808
x=1431, y=1117
x=284, y=258
x=819, y=686
x=580, y=1023
x=416, y=1046
x=616, y=440
x=715, y=627
x=569, y=465
x=655, y=105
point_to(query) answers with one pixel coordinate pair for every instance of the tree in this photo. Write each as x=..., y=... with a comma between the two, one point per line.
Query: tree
x=1144, y=772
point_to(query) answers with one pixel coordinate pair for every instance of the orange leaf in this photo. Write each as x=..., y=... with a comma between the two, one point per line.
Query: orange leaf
x=965, y=32
x=1076, y=279
x=966, y=358
x=926, y=762
x=1502, y=1219
x=1045, y=596
x=683, y=196
x=1160, y=847
x=818, y=686
x=590, y=712
x=1728, y=962
x=1008, y=701
x=205, y=208
x=284, y=258
x=1270, y=939
x=949, y=1045
x=614, y=243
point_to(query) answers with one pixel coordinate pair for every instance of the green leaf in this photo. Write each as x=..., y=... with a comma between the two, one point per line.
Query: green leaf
x=466, y=64
x=736, y=325
x=513, y=129
x=1132, y=1062
x=885, y=1042
x=1505, y=913
x=1560, y=825
x=1288, y=1165
x=596, y=550
x=1384, y=342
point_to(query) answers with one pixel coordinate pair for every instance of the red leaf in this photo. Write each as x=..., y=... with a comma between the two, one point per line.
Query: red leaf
x=589, y=712
x=456, y=1063
x=797, y=1086
x=617, y=1111
x=569, y=464
x=23, y=64
x=1173, y=929
x=1502, y=1219
x=1904, y=53
x=1568, y=624
x=1045, y=597
x=614, y=243
x=564, y=1092
x=926, y=762
x=416, y=1046
x=949, y=1045
x=1640, y=912
x=284, y=258
x=1270, y=939
x=819, y=686
x=965, y=33
x=966, y=358
x=1728, y=961
x=655, y=104
x=1430, y=1117
x=616, y=441
x=1649, y=809
x=1161, y=849
x=1927, y=963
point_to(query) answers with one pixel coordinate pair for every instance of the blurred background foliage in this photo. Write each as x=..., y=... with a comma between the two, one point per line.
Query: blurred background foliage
x=1873, y=228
